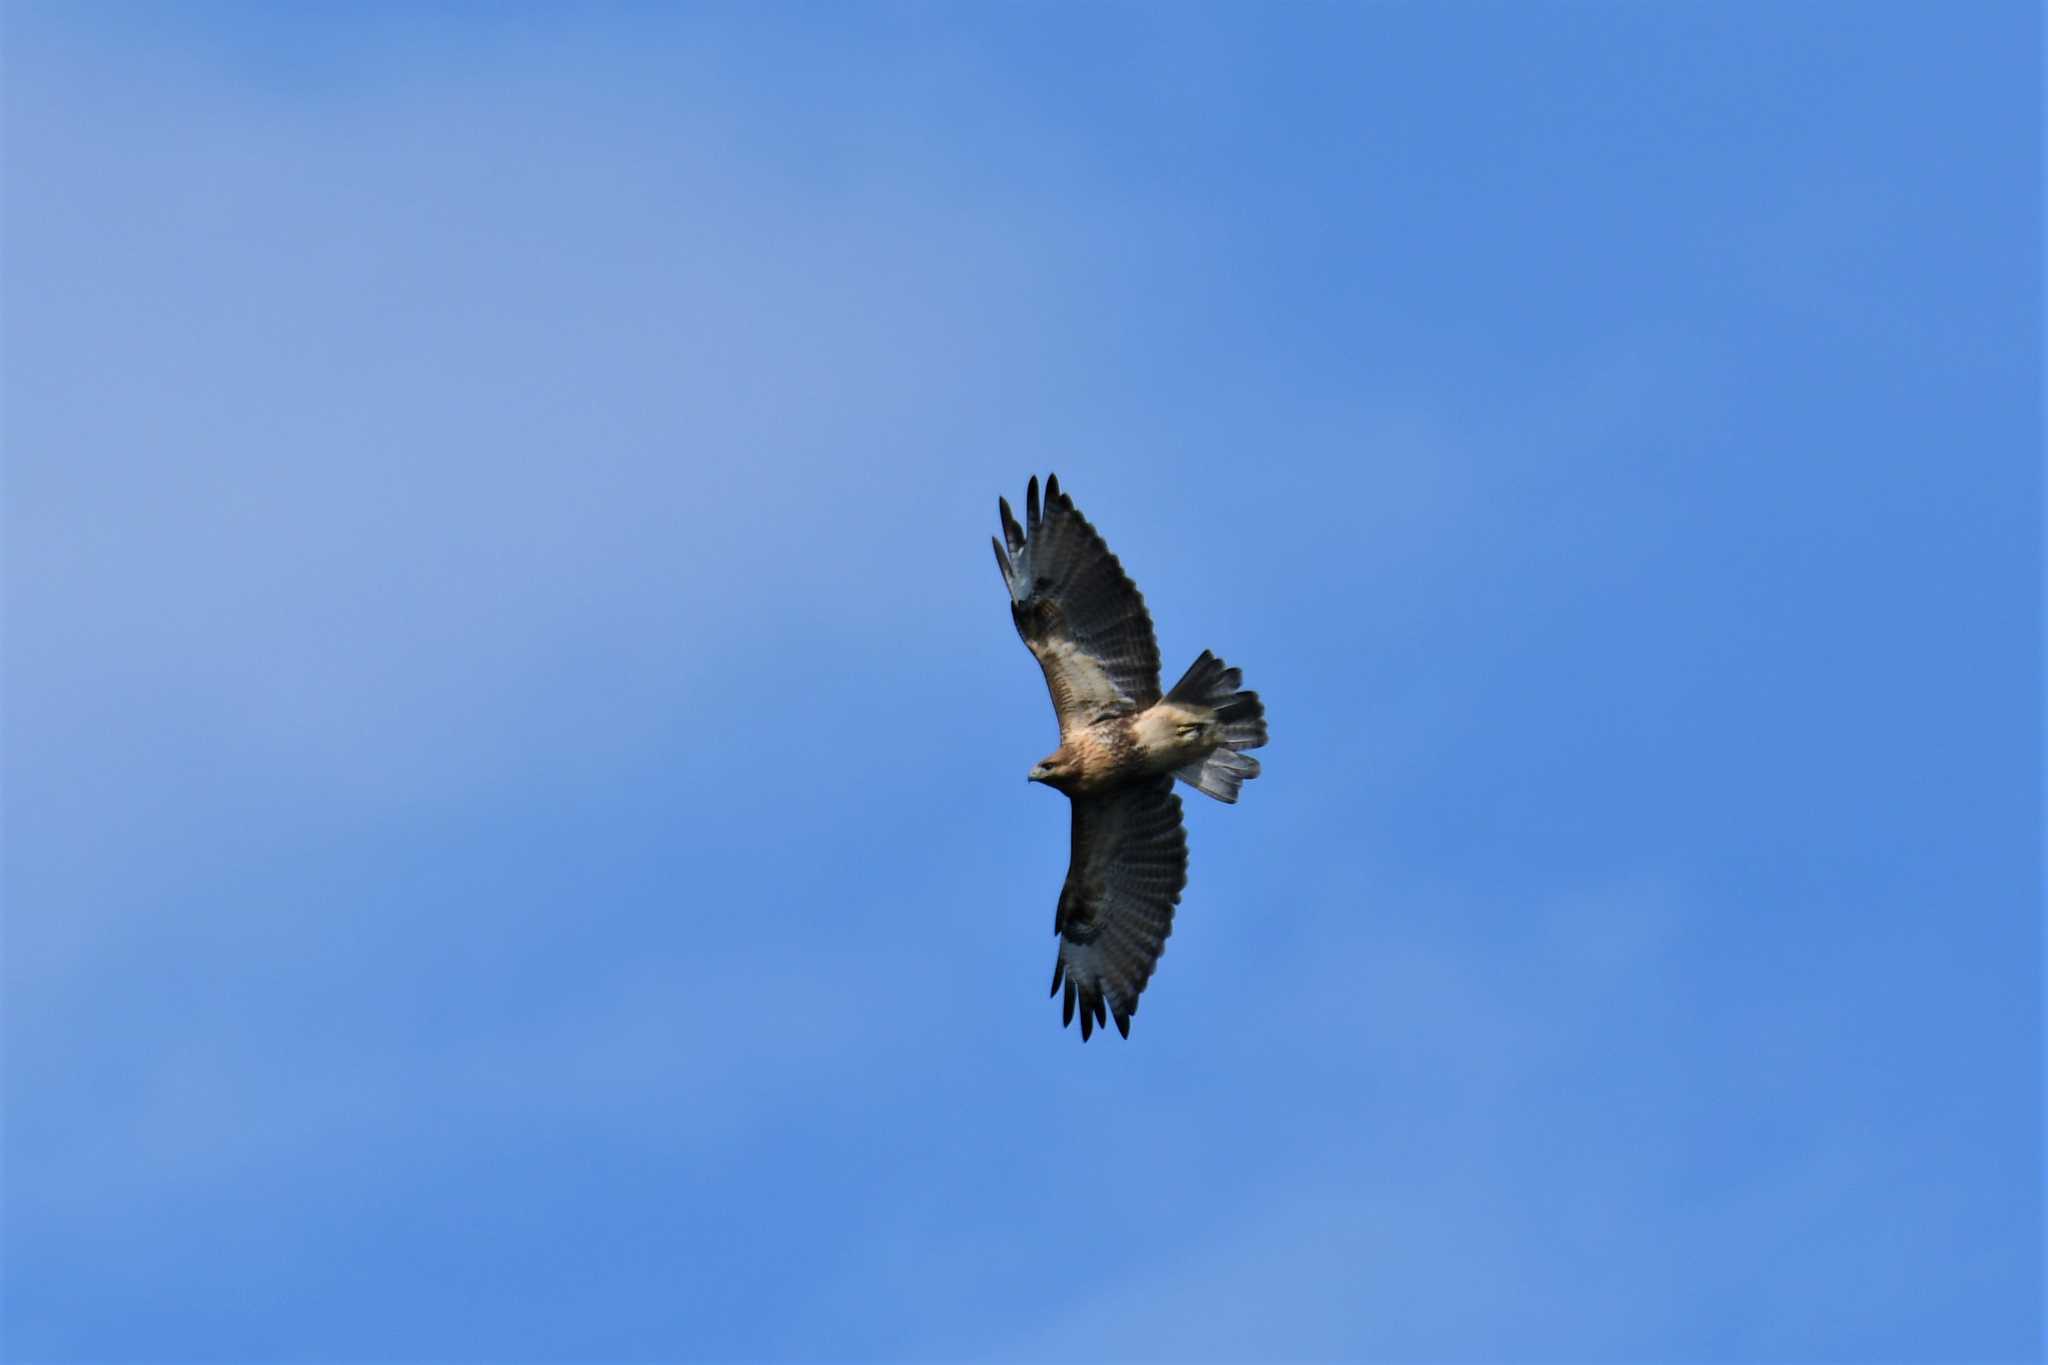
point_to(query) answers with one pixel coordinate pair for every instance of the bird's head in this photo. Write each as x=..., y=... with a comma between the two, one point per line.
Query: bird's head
x=1055, y=770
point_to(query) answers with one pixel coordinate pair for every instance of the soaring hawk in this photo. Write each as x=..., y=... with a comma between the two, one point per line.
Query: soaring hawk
x=1121, y=747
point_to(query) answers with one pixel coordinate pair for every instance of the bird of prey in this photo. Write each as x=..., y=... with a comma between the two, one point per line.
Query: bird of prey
x=1121, y=747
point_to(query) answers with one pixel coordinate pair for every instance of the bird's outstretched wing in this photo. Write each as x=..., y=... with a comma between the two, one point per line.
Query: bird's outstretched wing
x=1076, y=610
x=1129, y=864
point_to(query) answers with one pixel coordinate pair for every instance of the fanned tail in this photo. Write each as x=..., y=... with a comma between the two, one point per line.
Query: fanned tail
x=1210, y=684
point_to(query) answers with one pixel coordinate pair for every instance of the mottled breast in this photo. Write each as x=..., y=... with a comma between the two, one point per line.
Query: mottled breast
x=1109, y=755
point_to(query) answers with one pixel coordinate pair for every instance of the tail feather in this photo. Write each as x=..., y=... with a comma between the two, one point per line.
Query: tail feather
x=1211, y=684
x=1220, y=774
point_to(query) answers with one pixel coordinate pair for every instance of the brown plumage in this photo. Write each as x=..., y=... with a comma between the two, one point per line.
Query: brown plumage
x=1121, y=746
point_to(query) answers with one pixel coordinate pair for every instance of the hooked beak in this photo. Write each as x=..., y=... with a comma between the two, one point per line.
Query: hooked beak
x=1037, y=773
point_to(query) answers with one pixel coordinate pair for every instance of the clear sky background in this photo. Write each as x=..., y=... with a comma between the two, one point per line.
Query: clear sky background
x=516, y=839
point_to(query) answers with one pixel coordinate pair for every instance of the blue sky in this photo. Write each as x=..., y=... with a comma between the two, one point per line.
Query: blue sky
x=516, y=846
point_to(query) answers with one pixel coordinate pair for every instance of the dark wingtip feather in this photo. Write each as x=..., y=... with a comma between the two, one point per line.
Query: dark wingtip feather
x=1087, y=1023
x=1067, y=1006
x=1012, y=532
x=1031, y=517
x=1059, y=974
x=1052, y=489
x=1123, y=1024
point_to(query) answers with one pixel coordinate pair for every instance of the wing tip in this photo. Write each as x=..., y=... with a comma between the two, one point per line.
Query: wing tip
x=1013, y=534
x=1037, y=510
x=1097, y=1011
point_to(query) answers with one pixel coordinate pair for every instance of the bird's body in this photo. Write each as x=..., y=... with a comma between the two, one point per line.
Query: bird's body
x=1119, y=749
x=1122, y=746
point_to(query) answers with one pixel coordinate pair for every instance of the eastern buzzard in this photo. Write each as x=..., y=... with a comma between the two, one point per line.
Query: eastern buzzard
x=1121, y=747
